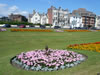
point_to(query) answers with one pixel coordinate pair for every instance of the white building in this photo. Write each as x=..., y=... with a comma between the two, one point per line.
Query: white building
x=58, y=17
x=44, y=19
x=37, y=18
x=75, y=21
x=97, y=24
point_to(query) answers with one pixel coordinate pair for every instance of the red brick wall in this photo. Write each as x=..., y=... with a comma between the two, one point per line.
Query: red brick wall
x=50, y=15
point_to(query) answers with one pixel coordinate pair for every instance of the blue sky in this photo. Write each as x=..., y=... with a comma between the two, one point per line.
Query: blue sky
x=26, y=6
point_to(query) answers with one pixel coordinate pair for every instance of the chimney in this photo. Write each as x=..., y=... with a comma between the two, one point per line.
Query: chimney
x=34, y=12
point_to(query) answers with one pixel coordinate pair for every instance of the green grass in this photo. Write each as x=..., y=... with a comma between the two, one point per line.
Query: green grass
x=13, y=43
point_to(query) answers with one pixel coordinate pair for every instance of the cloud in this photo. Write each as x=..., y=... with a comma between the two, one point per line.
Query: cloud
x=13, y=9
x=5, y=10
x=3, y=5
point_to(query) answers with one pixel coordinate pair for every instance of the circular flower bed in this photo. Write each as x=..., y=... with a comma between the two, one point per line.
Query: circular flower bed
x=47, y=60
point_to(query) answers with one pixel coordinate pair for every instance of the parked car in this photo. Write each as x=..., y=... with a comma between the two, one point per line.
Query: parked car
x=93, y=28
x=31, y=25
x=7, y=26
x=85, y=28
x=78, y=28
x=42, y=26
x=57, y=27
x=14, y=26
x=22, y=26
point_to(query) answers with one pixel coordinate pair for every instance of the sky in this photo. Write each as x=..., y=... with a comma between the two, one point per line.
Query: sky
x=25, y=7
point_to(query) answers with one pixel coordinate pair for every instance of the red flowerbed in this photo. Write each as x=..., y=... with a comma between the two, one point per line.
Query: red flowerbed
x=77, y=30
x=31, y=30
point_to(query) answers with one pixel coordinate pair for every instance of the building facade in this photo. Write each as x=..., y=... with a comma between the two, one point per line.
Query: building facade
x=37, y=18
x=17, y=17
x=75, y=21
x=58, y=17
x=44, y=19
x=97, y=24
x=88, y=18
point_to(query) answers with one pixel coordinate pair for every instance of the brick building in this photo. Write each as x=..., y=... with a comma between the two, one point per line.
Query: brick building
x=18, y=17
x=58, y=17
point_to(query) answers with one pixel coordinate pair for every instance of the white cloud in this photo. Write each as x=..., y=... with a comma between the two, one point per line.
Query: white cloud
x=5, y=10
x=3, y=5
x=13, y=9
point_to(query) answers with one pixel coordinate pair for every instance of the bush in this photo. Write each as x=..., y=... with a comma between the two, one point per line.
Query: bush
x=15, y=23
x=48, y=24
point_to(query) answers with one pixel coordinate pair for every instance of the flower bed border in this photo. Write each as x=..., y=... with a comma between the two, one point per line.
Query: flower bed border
x=31, y=30
x=77, y=30
x=69, y=65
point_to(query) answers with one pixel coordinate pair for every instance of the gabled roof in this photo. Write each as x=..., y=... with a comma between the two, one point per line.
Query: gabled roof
x=31, y=15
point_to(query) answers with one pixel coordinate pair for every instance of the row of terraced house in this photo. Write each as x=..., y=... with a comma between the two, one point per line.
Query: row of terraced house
x=63, y=18
x=80, y=18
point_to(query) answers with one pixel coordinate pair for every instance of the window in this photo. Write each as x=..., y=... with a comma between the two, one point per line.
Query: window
x=36, y=18
x=55, y=13
x=56, y=18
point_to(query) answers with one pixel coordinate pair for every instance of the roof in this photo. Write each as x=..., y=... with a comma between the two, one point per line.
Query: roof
x=77, y=15
x=84, y=12
x=43, y=14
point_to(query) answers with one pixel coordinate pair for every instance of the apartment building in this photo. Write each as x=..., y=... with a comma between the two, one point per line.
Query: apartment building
x=58, y=17
x=88, y=18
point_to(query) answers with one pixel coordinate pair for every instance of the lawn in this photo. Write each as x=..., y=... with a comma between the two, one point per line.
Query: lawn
x=13, y=43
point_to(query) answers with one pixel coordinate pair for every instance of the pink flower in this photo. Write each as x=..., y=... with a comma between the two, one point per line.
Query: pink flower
x=74, y=59
x=28, y=63
x=24, y=61
x=55, y=57
x=31, y=63
x=57, y=65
